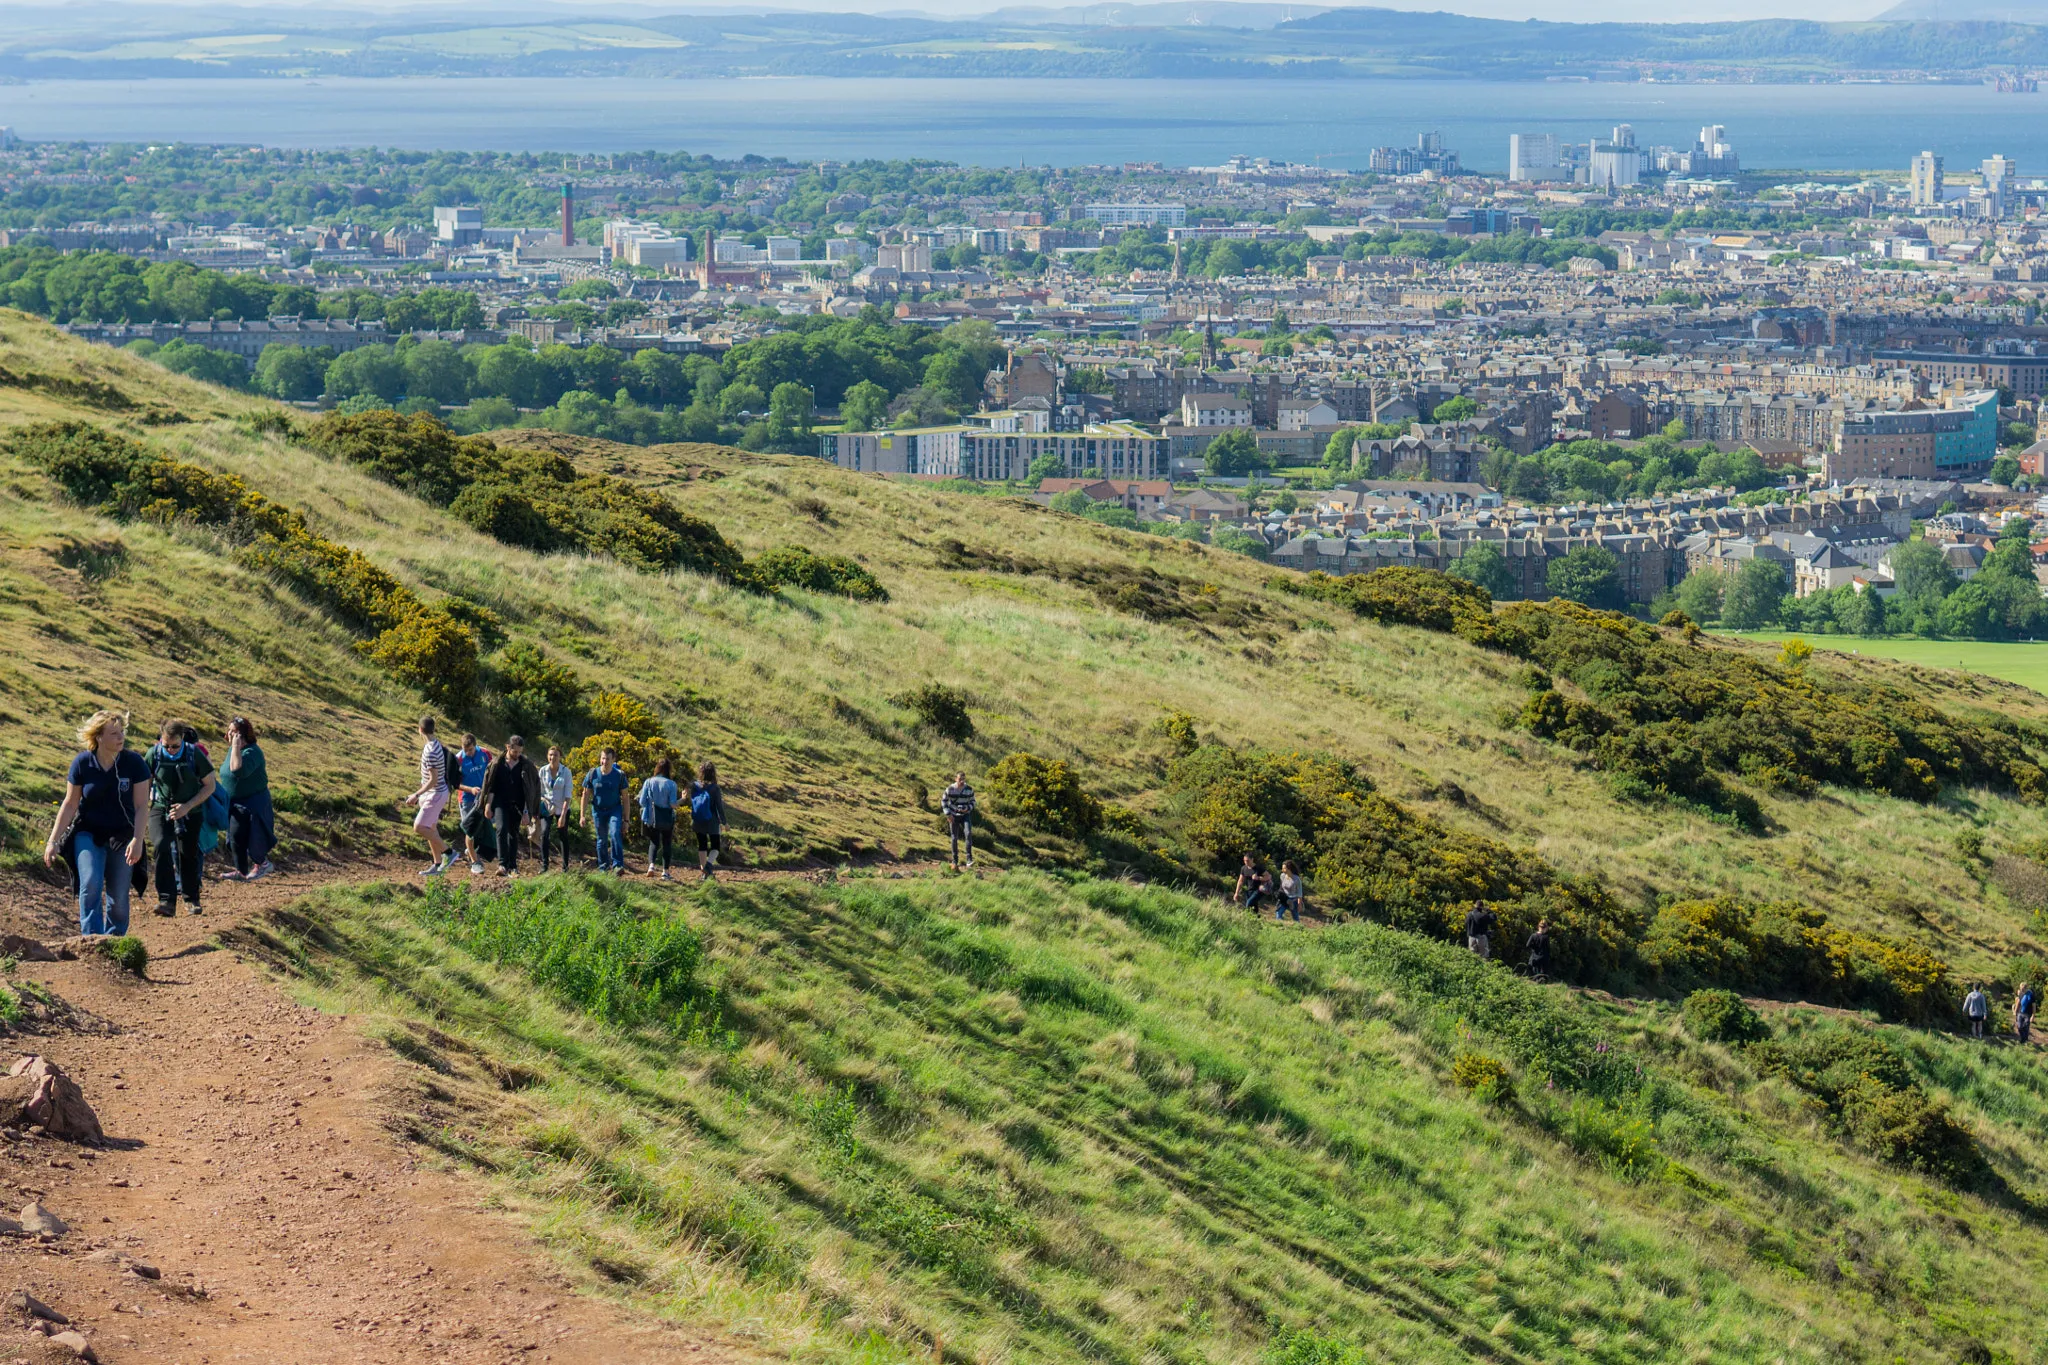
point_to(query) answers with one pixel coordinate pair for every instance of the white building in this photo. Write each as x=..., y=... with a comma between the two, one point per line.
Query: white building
x=1214, y=410
x=1305, y=414
x=781, y=249
x=733, y=250
x=848, y=249
x=1137, y=215
x=1614, y=165
x=646, y=244
x=1926, y=181
x=1535, y=156
x=462, y=225
x=911, y=257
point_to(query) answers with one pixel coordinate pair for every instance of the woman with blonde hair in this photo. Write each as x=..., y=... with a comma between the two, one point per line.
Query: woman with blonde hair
x=99, y=827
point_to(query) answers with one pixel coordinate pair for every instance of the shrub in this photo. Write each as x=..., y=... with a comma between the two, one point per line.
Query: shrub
x=1871, y=1093
x=1970, y=846
x=538, y=690
x=535, y=499
x=421, y=645
x=636, y=758
x=940, y=709
x=1045, y=794
x=795, y=567
x=1484, y=1076
x=622, y=711
x=2023, y=880
x=1179, y=729
x=430, y=651
x=127, y=952
x=1718, y=1016
x=1622, y=1141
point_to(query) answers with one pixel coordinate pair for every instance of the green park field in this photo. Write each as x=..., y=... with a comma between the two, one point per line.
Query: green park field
x=2025, y=664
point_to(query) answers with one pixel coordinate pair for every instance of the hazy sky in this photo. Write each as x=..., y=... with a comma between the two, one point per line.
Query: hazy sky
x=1569, y=10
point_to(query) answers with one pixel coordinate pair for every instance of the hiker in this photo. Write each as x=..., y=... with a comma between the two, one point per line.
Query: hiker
x=707, y=816
x=437, y=773
x=1538, y=949
x=1290, y=897
x=100, y=825
x=511, y=801
x=602, y=789
x=478, y=841
x=659, y=796
x=1250, y=881
x=180, y=779
x=1976, y=1009
x=956, y=803
x=2023, y=1007
x=556, y=782
x=252, y=823
x=1479, y=926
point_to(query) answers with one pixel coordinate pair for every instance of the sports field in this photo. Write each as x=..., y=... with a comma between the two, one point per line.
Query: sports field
x=2026, y=664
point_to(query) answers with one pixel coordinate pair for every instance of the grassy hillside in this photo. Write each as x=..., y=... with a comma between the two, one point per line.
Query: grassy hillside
x=1043, y=1120
x=795, y=694
x=1055, y=1115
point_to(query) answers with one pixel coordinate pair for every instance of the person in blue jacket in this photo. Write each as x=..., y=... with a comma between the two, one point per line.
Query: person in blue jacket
x=707, y=817
x=659, y=797
x=603, y=798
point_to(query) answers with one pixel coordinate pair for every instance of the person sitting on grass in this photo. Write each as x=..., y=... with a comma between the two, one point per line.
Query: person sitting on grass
x=100, y=825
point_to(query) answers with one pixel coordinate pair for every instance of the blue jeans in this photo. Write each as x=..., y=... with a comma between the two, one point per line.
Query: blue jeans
x=103, y=880
x=608, y=826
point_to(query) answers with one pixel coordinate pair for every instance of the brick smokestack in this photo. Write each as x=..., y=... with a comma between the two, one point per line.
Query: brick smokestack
x=568, y=214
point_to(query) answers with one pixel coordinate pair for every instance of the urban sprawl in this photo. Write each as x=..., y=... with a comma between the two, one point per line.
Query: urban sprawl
x=1641, y=350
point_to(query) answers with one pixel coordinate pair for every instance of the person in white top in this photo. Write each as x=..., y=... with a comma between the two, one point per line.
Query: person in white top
x=1976, y=1009
x=432, y=798
x=557, y=783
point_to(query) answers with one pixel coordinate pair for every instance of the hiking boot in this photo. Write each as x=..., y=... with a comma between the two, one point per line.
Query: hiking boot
x=197, y=911
x=167, y=911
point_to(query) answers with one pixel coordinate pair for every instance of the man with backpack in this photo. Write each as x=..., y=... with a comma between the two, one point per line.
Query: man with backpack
x=1479, y=926
x=956, y=803
x=477, y=839
x=2023, y=1007
x=180, y=781
x=439, y=775
x=511, y=800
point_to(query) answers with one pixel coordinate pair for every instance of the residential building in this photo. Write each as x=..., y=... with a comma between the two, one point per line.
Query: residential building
x=1113, y=450
x=1534, y=156
x=1145, y=497
x=1214, y=410
x=1137, y=215
x=644, y=244
x=1926, y=187
x=1953, y=442
x=2025, y=375
x=1303, y=414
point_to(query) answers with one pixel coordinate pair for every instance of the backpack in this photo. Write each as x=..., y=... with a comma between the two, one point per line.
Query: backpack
x=704, y=806
x=184, y=770
x=451, y=768
x=213, y=819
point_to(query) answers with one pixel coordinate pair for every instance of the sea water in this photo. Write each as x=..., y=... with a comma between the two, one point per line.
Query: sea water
x=1039, y=122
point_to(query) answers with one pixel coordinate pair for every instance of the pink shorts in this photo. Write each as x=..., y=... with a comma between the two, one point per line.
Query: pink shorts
x=430, y=811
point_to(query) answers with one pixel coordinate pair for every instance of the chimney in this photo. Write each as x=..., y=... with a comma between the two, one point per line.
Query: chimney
x=568, y=214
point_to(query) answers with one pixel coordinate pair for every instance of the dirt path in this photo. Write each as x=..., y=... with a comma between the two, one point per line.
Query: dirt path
x=251, y=1168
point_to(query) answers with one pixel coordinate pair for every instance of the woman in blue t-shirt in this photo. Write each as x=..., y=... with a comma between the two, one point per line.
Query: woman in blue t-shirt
x=100, y=824
x=604, y=789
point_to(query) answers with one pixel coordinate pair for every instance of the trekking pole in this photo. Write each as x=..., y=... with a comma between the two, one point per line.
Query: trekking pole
x=176, y=830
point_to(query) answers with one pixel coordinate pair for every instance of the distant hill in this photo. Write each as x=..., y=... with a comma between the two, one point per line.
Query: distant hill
x=1187, y=39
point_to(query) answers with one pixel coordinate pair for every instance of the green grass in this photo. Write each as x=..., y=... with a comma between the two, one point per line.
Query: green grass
x=1047, y=1120
x=2025, y=664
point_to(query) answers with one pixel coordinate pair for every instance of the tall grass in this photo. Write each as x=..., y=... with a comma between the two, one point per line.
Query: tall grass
x=1258, y=1149
x=620, y=957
